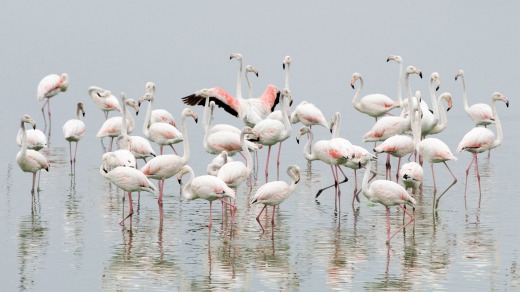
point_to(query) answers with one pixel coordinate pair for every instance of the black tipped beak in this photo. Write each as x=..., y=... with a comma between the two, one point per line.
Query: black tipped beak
x=507, y=104
x=448, y=109
x=290, y=103
x=179, y=181
x=34, y=127
x=297, y=140
x=105, y=170
x=420, y=75
x=283, y=66
x=297, y=181
x=387, y=59
x=137, y=113
x=196, y=121
x=47, y=169
x=139, y=104
x=455, y=78
x=437, y=89
x=153, y=155
x=330, y=130
x=256, y=74
x=83, y=113
x=352, y=85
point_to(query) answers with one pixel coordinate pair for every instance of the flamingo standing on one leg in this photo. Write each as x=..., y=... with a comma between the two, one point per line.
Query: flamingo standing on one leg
x=104, y=100
x=481, y=139
x=275, y=192
x=73, y=130
x=387, y=193
x=206, y=187
x=30, y=160
x=48, y=87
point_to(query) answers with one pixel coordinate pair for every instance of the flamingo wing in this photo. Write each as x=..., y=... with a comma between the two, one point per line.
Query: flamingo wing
x=221, y=98
x=48, y=86
x=272, y=193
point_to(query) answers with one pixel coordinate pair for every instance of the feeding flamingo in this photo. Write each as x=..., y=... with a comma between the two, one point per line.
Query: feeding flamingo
x=276, y=192
x=48, y=87
x=165, y=166
x=251, y=110
x=206, y=187
x=481, y=139
x=30, y=160
x=104, y=100
x=387, y=193
x=73, y=130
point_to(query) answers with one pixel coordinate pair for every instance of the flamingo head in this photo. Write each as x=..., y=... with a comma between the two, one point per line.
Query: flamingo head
x=64, y=82
x=250, y=68
x=500, y=96
x=294, y=172
x=435, y=79
x=80, y=108
x=395, y=58
x=188, y=112
x=133, y=104
x=286, y=61
x=287, y=93
x=150, y=88
x=458, y=74
x=28, y=119
x=236, y=56
x=355, y=77
x=412, y=70
x=303, y=130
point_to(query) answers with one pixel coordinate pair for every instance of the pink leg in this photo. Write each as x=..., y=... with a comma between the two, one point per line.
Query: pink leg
x=387, y=224
x=467, y=173
x=272, y=219
x=70, y=155
x=161, y=149
x=258, y=218
x=43, y=113
x=110, y=147
x=388, y=168
x=106, y=115
x=355, y=196
x=478, y=179
x=278, y=162
x=161, y=187
x=338, y=191
x=397, y=174
x=131, y=207
x=232, y=208
x=33, y=181
x=174, y=151
x=454, y=182
x=75, y=153
x=267, y=164
x=402, y=227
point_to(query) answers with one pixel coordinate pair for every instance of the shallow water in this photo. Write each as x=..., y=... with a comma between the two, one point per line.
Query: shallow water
x=69, y=236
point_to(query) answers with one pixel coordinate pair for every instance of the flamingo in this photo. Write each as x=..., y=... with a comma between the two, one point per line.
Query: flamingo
x=389, y=126
x=205, y=187
x=137, y=145
x=277, y=114
x=435, y=151
x=276, y=192
x=251, y=110
x=250, y=69
x=308, y=114
x=36, y=139
x=480, y=113
x=165, y=166
x=160, y=133
x=324, y=151
x=158, y=115
x=30, y=160
x=479, y=139
x=218, y=162
x=104, y=100
x=411, y=174
x=130, y=180
x=271, y=132
x=374, y=105
x=73, y=130
x=48, y=87
x=112, y=127
x=236, y=172
x=387, y=193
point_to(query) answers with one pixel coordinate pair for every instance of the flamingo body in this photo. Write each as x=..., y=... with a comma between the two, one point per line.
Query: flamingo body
x=36, y=139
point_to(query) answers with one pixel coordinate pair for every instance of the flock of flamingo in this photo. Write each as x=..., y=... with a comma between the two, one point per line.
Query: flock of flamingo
x=407, y=134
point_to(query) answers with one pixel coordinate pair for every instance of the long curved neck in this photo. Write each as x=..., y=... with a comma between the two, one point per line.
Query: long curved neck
x=292, y=187
x=285, y=117
x=433, y=100
x=245, y=151
x=129, y=120
x=400, y=85
x=464, y=93
x=205, y=114
x=249, y=86
x=288, y=66
x=146, y=124
x=124, y=129
x=500, y=134
x=415, y=119
x=78, y=115
x=207, y=128
x=185, y=143
x=336, y=128
x=443, y=122
x=364, y=185
x=24, y=139
x=186, y=190
x=239, y=80
x=355, y=100
x=307, y=149
x=408, y=87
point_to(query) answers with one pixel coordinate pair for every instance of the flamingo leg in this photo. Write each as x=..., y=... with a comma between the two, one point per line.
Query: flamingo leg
x=454, y=182
x=110, y=146
x=174, y=151
x=75, y=152
x=328, y=187
x=161, y=149
x=161, y=187
x=402, y=227
x=33, y=181
x=70, y=155
x=478, y=179
x=398, y=166
x=267, y=164
x=388, y=171
x=258, y=218
x=278, y=162
x=272, y=219
x=355, y=196
x=130, y=212
x=232, y=208
x=387, y=224
x=467, y=173
x=43, y=113
x=106, y=115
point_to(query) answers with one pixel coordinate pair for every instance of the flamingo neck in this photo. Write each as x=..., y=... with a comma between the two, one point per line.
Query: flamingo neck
x=433, y=100
x=307, y=149
x=287, y=76
x=415, y=120
x=249, y=86
x=464, y=94
x=246, y=153
x=500, y=134
x=205, y=114
x=78, y=115
x=364, y=186
x=443, y=118
x=355, y=101
x=124, y=129
x=185, y=143
x=24, y=139
x=337, y=126
x=400, y=85
x=239, y=80
x=285, y=117
x=186, y=191
x=408, y=89
x=146, y=124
